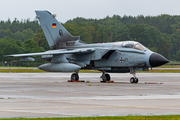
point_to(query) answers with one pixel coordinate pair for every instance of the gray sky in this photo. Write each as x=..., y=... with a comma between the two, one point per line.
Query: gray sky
x=69, y=9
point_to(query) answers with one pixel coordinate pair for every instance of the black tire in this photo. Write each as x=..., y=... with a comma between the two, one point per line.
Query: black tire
x=136, y=80
x=74, y=77
x=132, y=80
x=77, y=77
x=108, y=78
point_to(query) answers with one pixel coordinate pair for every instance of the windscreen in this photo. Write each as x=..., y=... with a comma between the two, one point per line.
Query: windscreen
x=140, y=47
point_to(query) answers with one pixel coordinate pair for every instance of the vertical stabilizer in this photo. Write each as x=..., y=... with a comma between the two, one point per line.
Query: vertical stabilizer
x=57, y=36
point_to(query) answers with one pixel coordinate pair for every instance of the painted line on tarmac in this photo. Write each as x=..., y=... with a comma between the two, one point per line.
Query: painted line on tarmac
x=70, y=107
x=153, y=97
x=123, y=97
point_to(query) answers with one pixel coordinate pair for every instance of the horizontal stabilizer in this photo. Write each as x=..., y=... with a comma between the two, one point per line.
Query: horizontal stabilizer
x=27, y=59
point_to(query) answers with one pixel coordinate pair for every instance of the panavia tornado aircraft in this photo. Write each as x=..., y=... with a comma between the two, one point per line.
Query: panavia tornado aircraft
x=69, y=53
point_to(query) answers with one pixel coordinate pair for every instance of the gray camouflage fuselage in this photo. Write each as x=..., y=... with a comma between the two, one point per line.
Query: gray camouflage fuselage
x=112, y=57
x=69, y=53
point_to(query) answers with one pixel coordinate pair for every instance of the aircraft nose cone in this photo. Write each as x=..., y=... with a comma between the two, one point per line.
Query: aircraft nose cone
x=157, y=60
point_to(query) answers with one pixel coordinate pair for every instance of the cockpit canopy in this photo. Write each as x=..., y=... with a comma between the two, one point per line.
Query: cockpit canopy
x=131, y=44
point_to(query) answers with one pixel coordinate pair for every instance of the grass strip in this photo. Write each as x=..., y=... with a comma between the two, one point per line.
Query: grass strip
x=163, y=66
x=21, y=71
x=162, y=117
x=39, y=71
x=87, y=71
x=169, y=66
x=161, y=71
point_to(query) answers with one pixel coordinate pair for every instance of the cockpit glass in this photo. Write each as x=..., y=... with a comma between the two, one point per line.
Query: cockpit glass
x=117, y=44
x=138, y=47
x=128, y=44
x=145, y=48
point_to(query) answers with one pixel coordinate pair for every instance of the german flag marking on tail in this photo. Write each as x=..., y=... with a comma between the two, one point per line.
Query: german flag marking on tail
x=54, y=25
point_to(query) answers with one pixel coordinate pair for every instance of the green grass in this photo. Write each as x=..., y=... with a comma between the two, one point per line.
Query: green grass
x=169, y=66
x=16, y=67
x=161, y=71
x=21, y=70
x=85, y=71
x=162, y=117
x=89, y=84
x=89, y=71
x=30, y=70
x=163, y=66
x=40, y=71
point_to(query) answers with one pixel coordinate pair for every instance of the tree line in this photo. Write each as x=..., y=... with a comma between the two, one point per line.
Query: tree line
x=159, y=33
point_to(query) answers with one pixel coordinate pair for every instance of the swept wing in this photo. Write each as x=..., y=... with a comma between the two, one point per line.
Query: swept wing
x=55, y=52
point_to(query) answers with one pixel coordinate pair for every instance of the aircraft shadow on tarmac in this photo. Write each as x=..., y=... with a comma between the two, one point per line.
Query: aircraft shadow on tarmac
x=107, y=82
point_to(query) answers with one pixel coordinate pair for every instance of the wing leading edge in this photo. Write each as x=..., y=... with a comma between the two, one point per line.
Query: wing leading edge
x=56, y=52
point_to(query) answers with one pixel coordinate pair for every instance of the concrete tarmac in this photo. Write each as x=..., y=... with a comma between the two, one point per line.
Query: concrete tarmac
x=50, y=95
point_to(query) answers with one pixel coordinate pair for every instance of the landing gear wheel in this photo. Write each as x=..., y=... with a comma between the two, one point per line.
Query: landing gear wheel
x=132, y=80
x=107, y=77
x=74, y=77
x=136, y=80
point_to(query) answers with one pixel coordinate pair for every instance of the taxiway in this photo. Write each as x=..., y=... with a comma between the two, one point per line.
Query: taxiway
x=50, y=95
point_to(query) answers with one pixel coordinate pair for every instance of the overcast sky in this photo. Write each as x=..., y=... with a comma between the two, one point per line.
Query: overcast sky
x=69, y=9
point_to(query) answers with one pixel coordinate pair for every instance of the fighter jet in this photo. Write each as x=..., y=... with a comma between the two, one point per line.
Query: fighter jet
x=69, y=54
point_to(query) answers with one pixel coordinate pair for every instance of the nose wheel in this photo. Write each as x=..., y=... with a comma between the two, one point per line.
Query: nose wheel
x=133, y=79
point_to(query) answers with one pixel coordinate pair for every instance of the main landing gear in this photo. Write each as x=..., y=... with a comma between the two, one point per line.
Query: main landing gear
x=105, y=77
x=133, y=79
x=75, y=77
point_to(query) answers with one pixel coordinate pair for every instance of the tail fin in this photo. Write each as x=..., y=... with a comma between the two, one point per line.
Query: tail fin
x=57, y=36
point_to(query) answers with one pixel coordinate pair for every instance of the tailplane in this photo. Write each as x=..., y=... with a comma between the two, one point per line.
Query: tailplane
x=57, y=36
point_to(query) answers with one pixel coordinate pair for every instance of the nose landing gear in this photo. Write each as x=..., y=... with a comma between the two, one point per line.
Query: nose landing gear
x=133, y=79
